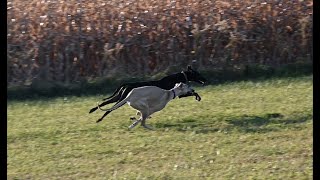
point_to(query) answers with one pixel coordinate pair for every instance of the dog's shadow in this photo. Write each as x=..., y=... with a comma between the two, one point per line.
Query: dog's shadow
x=245, y=123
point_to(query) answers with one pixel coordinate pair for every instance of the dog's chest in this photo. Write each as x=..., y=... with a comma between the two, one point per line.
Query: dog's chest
x=157, y=103
x=158, y=106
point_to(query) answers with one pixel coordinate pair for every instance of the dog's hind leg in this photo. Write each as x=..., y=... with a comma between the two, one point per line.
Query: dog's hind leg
x=114, y=107
x=119, y=89
x=106, y=113
x=112, y=100
x=124, y=93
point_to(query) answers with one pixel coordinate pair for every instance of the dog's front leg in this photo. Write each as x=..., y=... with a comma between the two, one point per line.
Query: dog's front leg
x=144, y=117
x=135, y=123
x=146, y=126
x=198, y=98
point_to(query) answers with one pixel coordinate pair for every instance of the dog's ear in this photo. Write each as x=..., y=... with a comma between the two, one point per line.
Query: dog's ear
x=189, y=68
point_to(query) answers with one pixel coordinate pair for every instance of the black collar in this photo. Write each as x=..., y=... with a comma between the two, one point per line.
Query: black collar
x=185, y=76
x=174, y=94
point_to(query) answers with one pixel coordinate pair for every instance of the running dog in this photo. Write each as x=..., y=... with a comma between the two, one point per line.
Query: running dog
x=148, y=100
x=167, y=83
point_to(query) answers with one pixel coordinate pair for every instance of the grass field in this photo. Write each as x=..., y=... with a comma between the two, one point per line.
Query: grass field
x=240, y=130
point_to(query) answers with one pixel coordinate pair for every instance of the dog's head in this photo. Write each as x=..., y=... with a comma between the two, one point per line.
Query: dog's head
x=193, y=75
x=183, y=88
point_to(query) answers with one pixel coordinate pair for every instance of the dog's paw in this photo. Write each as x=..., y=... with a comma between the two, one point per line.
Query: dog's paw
x=198, y=98
x=93, y=109
x=148, y=127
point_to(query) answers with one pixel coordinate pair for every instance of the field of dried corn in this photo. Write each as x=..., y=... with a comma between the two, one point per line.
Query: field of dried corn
x=71, y=40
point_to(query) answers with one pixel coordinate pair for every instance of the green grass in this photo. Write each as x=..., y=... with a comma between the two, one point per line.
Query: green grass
x=242, y=130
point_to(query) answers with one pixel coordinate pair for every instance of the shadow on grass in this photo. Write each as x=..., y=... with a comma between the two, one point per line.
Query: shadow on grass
x=245, y=124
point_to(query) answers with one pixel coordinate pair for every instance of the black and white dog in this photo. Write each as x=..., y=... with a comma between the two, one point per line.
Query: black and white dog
x=166, y=83
x=148, y=100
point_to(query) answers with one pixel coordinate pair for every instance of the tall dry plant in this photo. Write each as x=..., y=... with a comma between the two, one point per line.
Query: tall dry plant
x=69, y=41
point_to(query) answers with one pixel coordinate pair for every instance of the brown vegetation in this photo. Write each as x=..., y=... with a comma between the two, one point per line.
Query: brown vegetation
x=66, y=41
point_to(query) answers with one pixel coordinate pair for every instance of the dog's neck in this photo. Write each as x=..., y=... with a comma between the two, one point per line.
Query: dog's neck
x=174, y=93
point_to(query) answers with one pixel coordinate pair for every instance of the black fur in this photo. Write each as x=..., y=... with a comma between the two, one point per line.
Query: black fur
x=167, y=83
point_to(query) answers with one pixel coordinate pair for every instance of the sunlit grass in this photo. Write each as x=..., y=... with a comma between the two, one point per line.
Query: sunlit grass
x=244, y=130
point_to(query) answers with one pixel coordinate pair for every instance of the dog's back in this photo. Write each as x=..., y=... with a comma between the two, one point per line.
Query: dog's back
x=148, y=93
